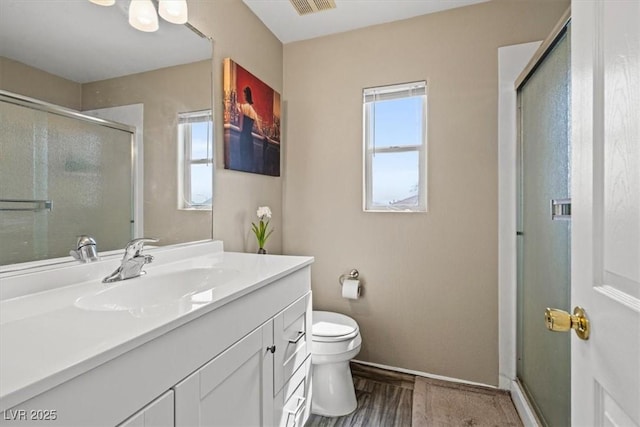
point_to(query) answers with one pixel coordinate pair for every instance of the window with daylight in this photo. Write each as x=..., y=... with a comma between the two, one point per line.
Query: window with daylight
x=395, y=148
x=195, y=168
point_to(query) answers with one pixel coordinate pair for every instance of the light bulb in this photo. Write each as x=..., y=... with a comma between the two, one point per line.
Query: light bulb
x=142, y=15
x=104, y=2
x=174, y=11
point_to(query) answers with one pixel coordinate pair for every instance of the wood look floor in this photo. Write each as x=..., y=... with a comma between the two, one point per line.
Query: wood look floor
x=386, y=399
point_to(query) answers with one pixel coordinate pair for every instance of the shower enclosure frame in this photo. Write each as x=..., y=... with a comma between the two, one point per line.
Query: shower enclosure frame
x=515, y=63
x=135, y=159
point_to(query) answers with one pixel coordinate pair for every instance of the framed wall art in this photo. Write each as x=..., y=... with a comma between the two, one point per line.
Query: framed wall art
x=251, y=122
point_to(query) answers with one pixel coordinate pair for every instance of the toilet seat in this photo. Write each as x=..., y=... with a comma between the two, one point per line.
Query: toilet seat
x=332, y=327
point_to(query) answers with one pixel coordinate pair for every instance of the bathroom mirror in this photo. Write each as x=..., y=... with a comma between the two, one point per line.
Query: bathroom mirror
x=81, y=56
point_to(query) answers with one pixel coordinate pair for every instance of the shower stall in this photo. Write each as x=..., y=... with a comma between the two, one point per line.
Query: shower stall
x=62, y=174
x=543, y=236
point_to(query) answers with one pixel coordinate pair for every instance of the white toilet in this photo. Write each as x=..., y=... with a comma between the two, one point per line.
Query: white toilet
x=336, y=340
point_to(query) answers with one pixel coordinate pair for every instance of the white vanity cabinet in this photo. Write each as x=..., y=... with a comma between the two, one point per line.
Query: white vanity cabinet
x=242, y=361
x=245, y=385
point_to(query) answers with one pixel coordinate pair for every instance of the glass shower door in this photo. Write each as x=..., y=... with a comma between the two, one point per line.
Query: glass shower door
x=61, y=177
x=543, y=365
x=23, y=190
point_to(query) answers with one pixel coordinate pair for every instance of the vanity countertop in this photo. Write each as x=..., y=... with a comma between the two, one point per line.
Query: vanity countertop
x=48, y=336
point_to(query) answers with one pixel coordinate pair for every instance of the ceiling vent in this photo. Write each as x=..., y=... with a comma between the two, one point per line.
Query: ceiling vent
x=306, y=7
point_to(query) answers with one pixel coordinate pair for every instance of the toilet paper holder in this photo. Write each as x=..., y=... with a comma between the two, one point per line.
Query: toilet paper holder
x=353, y=274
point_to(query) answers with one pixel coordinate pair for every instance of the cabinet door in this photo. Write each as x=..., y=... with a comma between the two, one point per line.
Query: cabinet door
x=158, y=413
x=233, y=389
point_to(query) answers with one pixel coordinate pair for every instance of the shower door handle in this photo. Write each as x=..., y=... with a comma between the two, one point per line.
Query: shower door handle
x=561, y=321
x=560, y=209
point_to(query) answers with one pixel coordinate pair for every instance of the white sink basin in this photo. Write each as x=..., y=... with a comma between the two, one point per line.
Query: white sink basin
x=192, y=286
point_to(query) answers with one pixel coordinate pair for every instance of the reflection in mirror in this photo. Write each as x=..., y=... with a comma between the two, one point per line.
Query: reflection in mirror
x=62, y=174
x=84, y=57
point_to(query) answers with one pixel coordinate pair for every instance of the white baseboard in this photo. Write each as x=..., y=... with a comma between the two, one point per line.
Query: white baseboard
x=528, y=417
x=422, y=374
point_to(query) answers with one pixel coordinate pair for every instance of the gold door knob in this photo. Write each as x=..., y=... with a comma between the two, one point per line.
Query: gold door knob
x=561, y=321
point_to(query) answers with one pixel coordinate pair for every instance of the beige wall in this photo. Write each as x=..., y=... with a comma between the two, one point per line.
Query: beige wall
x=431, y=280
x=20, y=78
x=240, y=35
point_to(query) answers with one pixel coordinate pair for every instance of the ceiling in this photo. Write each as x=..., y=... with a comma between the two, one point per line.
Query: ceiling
x=84, y=42
x=283, y=21
x=67, y=37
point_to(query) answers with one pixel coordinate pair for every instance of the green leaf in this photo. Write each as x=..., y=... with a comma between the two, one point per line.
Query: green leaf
x=261, y=233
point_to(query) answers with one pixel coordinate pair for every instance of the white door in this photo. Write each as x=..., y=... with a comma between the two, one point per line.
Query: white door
x=605, y=246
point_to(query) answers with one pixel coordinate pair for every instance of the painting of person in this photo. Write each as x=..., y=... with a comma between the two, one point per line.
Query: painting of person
x=251, y=122
x=249, y=118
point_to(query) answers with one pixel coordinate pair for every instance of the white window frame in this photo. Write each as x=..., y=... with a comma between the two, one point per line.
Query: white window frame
x=184, y=157
x=382, y=93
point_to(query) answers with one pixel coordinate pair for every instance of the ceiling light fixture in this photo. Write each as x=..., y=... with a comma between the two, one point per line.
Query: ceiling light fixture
x=143, y=16
x=174, y=11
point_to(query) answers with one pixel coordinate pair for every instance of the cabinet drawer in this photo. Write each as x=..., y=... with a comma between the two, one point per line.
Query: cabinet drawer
x=291, y=330
x=293, y=412
x=293, y=403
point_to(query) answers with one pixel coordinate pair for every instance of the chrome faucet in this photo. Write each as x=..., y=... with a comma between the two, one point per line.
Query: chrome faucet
x=86, y=249
x=132, y=261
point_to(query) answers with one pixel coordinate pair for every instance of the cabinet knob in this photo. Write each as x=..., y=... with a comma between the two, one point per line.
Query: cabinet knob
x=272, y=348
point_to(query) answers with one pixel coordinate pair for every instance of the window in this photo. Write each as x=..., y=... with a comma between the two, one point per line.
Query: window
x=395, y=148
x=195, y=169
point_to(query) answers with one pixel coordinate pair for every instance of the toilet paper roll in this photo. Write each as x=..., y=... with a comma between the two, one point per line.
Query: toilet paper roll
x=351, y=289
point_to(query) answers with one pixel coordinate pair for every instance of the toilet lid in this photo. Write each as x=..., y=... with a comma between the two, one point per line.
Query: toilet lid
x=329, y=325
